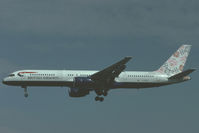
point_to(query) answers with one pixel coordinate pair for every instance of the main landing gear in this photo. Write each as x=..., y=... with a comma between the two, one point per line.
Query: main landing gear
x=97, y=98
x=100, y=93
x=25, y=91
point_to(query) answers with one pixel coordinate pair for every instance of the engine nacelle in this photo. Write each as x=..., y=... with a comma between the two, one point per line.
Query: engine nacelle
x=76, y=92
x=81, y=87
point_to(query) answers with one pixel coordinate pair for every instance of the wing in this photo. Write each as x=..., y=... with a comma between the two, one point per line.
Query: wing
x=108, y=74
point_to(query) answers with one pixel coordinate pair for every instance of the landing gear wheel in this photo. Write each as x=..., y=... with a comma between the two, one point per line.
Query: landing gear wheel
x=26, y=95
x=97, y=98
x=101, y=99
x=25, y=91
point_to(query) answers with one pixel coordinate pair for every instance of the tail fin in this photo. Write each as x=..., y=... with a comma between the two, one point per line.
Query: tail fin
x=176, y=62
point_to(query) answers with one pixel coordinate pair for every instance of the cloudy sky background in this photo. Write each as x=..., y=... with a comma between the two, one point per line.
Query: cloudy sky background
x=92, y=34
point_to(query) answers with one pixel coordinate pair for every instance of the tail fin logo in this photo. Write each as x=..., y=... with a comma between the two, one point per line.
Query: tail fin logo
x=176, y=62
x=176, y=54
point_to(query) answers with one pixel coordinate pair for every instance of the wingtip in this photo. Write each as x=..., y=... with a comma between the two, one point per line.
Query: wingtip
x=193, y=69
x=128, y=57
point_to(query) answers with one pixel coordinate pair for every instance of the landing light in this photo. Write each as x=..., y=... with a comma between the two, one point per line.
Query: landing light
x=187, y=78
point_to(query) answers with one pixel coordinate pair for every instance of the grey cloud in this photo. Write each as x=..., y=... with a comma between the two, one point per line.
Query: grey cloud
x=8, y=130
x=41, y=25
x=101, y=18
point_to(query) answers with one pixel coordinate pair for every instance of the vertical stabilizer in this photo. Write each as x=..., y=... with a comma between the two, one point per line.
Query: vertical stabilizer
x=176, y=62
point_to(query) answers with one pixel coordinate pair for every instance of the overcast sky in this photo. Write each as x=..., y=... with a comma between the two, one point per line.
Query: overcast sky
x=93, y=34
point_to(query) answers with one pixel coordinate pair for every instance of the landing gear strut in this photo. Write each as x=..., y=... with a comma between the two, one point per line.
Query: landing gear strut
x=105, y=93
x=25, y=92
x=101, y=92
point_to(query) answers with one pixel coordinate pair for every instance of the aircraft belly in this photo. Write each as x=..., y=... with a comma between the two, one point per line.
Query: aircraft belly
x=40, y=83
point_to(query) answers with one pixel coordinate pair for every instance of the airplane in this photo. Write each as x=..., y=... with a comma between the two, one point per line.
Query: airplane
x=82, y=82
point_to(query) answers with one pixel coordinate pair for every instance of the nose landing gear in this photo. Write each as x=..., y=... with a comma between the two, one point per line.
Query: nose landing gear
x=25, y=91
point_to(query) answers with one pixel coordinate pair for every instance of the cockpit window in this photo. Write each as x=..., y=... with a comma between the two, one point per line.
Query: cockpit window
x=11, y=75
x=20, y=75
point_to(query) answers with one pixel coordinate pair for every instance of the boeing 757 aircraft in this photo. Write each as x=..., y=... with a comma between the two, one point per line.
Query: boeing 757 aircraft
x=80, y=82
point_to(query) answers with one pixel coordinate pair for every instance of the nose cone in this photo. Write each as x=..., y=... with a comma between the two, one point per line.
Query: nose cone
x=4, y=81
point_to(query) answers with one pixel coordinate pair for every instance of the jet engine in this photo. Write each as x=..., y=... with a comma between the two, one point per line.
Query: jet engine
x=77, y=92
x=81, y=87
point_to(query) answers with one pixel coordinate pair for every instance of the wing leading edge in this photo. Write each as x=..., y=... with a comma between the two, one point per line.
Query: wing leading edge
x=108, y=74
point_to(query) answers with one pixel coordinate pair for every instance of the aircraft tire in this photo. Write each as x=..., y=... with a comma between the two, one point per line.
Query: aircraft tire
x=97, y=98
x=26, y=95
x=101, y=99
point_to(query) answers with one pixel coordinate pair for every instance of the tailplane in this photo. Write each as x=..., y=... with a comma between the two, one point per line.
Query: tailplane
x=182, y=74
x=176, y=62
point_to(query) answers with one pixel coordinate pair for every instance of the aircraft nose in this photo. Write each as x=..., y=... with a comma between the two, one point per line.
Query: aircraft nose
x=4, y=81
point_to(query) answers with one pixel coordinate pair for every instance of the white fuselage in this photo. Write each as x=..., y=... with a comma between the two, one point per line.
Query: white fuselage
x=127, y=79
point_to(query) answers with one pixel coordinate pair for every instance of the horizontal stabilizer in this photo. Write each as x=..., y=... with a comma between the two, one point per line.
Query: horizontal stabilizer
x=182, y=74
